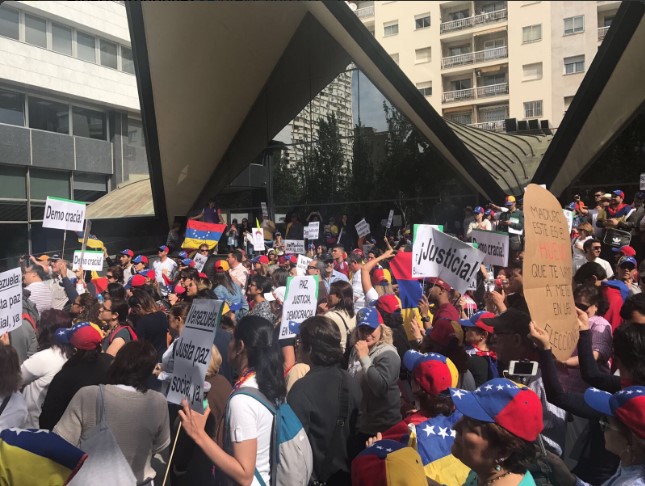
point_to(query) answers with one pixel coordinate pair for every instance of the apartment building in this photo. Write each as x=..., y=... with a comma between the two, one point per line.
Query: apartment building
x=502, y=66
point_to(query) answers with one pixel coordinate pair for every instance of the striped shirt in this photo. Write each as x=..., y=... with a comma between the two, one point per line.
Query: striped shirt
x=41, y=295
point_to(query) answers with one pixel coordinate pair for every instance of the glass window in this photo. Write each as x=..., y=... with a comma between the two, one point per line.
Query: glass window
x=135, y=133
x=532, y=33
x=35, y=31
x=9, y=23
x=127, y=64
x=62, y=39
x=85, y=47
x=390, y=29
x=574, y=25
x=108, y=54
x=425, y=88
x=12, y=182
x=48, y=115
x=89, y=187
x=45, y=183
x=12, y=108
x=422, y=55
x=567, y=102
x=462, y=84
x=422, y=21
x=395, y=57
x=89, y=123
x=574, y=64
x=531, y=72
x=533, y=109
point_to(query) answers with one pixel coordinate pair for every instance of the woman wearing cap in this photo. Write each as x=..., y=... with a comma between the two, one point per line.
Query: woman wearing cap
x=495, y=438
x=477, y=335
x=278, y=244
x=372, y=293
x=224, y=289
x=340, y=305
x=479, y=223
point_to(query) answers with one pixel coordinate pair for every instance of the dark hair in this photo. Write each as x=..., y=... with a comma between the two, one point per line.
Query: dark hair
x=455, y=351
x=589, y=270
x=343, y=290
x=38, y=270
x=434, y=405
x=633, y=303
x=593, y=295
x=237, y=254
x=189, y=273
x=50, y=321
x=121, y=308
x=354, y=258
x=90, y=305
x=116, y=291
x=117, y=271
x=587, y=244
x=83, y=356
x=133, y=365
x=261, y=283
x=279, y=277
x=10, y=376
x=180, y=310
x=320, y=339
x=629, y=349
x=519, y=453
x=224, y=279
x=143, y=300
x=264, y=354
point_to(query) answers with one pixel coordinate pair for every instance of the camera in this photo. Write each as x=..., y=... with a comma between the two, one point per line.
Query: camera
x=523, y=368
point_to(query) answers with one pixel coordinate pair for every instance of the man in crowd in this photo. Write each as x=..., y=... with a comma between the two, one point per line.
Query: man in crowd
x=355, y=262
x=125, y=260
x=329, y=275
x=625, y=272
x=592, y=248
x=40, y=293
x=439, y=295
x=512, y=222
x=513, y=295
x=317, y=267
x=211, y=213
x=613, y=217
x=164, y=266
x=237, y=271
x=340, y=265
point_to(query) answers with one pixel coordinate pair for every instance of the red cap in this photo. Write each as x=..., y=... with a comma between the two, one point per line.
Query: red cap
x=357, y=251
x=437, y=282
x=136, y=281
x=151, y=274
x=627, y=251
x=265, y=260
x=180, y=289
x=378, y=276
x=202, y=275
x=388, y=303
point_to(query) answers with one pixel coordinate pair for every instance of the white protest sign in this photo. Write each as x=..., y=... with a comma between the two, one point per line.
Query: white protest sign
x=265, y=210
x=200, y=260
x=294, y=247
x=91, y=260
x=303, y=263
x=494, y=244
x=312, y=230
x=10, y=300
x=594, y=217
x=513, y=231
x=193, y=353
x=64, y=214
x=390, y=217
x=362, y=228
x=300, y=302
x=436, y=254
x=258, y=239
x=642, y=184
x=568, y=215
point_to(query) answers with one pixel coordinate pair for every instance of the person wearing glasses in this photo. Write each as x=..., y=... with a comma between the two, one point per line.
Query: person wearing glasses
x=329, y=275
x=317, y=267
x=592, y=248
x=625, y=272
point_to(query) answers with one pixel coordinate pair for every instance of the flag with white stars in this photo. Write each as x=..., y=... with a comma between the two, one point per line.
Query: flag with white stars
x=199, y=233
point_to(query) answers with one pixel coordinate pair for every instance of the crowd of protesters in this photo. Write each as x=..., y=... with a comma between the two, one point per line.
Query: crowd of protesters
x=461, y=389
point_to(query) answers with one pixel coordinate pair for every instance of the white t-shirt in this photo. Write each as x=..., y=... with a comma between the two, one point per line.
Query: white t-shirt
x=250, y=419
x=357, y=288
x=166, y=267
x=37, y=373
x=484, y=225
x=605, y=264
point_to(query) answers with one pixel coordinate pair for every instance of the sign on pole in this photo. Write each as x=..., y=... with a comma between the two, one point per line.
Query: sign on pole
x=362, y=228
x=568, y=215
x=88, y=260
x=200, y=260
x=300, y=302
x=193, y=353
x=294, y=247
x=265, y=210
x=10, y=300
x=390, y=217
x=312, y=230
x=548, y=269
x=494, y=244
x=303, y=263
x=258, y=239
x=64, y=214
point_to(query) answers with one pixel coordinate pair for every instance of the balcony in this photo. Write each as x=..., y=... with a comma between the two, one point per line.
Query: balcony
x=491, y=126
x=365, y=12
x=474, y=21
x=602, y=32
x=459, y=95
x=474, y=57
x=492, y=90
x=475, y=93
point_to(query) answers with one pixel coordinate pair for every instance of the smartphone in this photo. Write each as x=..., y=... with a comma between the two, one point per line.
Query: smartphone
x=523, y=368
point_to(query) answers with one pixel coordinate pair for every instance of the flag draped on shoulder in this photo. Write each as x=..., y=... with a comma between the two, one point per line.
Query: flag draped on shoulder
x=200, y=233
x=410, y=290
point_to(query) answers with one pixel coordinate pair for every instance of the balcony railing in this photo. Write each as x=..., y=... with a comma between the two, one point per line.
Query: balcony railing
x=492, y=90
x=475, y=93
x=491, y=126
x=474, y=57
x=459, y=95
x=602, y=32
x=365, y=12
x=475, y=20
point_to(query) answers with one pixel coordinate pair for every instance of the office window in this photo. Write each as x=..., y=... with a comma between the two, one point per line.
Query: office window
x=395, y=57
x=35, y=31
x=391, y=28
x=9, y=23
x=532, y=33
x=13, y=183
x=425, y=88
x=61, y=39
x=422, y=55
x=531, y=72
x=48, y=115
x=533, y=109
x=89, y=187
x=89, y=123
x=421, y=21
x=574, y=25
x=574, y=64
x=127, y=64
x=43, y=183
x=12, y=108
x=85, y=47
x=567, y=102
x=108, y=54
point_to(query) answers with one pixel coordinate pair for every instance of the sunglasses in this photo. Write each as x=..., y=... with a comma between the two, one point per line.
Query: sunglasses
x=605, y=425
x=628, y=266
x=203, y=251
x=110, y=276
x=582, y=307
x=596, y=248
x=312, y=268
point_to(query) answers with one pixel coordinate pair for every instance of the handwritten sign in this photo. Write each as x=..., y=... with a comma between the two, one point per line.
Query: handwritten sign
x=258, y=239
x=10, y=300
x=193, y=353
x=300, y=302
x=88, y=260
x=303, y=263
x=390, y=217
x=494, y=244
x=312, y=230
x=548, y=269
x=362, y=228
x=265, y=210
x=200, y=260
x=294, y=247
x=64, y=214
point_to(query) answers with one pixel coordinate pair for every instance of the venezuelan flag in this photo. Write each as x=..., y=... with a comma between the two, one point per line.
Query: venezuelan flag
x=410, y=290
x=36, y=457
x=92, y=241
x=200, y=233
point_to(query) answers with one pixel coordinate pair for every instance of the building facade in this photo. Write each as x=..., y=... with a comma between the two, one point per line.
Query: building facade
x=482, y=63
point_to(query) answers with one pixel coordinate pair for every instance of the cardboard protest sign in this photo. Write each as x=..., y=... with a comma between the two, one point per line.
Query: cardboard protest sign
x=258, y=239
x=436, y=254
x=300, y=302
x=494, y=244
x=10, y=300
x=548, y=269
x=200, y=260
x=64, y=214
x=362, y=228
x=88, y=260
x=303, y=262
x=312, y=230
x=193, y=353
x=265, y=210
x=390, y=217
x=294, y=247
x=568, y=215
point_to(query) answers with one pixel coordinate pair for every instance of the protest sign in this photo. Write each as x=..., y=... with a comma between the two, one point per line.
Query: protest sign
x=390, y=217
x=494, y=244
x=265, y=210
x=64, y=214
x=568, y=215
x=258, y=239
x=294, y=247
x=88, y=260
x=192, y=353
x=10, y=300
x=303, y=262
x=597, y=232
x=436, y=254
x=312, y=230
x=547, y=270
x=200, y=260
x=362, y=228
x=300, y=302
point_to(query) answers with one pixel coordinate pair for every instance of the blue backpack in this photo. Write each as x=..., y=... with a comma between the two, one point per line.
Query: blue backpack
x=292, y=460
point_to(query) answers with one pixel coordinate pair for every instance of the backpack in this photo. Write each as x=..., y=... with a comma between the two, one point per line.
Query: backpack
x=133, y=335
x=292, y=460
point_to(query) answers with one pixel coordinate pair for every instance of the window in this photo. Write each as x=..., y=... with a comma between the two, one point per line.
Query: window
x=35, y=31
x=607, y=21
x=108, y=54
x=493, y=7
x=421, y=21
x=85, y=47
x=43, y=183
x=460, y=14
x=12, y=108
x=48, y=115
x=391, y=28
x=425, y=88
x=89, y=187
x=493, y=113
x=13, y=183
x=573, y=65
x=533, y=109
x=491, y=79
x=495, y=43
x=89, y=123
x=532, y=33
x=465, y=118
x=460, y=84
x=127, y=63
x=567, y=102
x=574, y=25
x=61, y=39
x=422, y=55
x=395, y=57
x=9, y=23
x=531, y=72
x=458, y=50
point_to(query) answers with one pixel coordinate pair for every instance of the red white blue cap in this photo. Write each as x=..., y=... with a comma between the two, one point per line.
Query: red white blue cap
x=618, y=193
x=368, y=316
x=127, y=252
x=388, y=463
x=627, y=405
x=182, y=254
x=187, y=262
x=476, y=321
x=164, y=248
x=433, y=372
x=84, y=335
x=140, y=259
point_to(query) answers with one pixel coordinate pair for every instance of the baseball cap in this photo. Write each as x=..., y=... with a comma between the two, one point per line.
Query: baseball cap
x=476, y=321
x=136, y=281
x=445, y=331
x=188, y=262
x=140, y=259
x=640, y=195
x=179, y=289
x=378, y=276
x=182, y=254
x=164, y=248
x=512, y=320
x=388, y=463
x=489, y=212
x=515, y=408
x=263, y=259
x=618, y=193
x=387, y=304
x=626, y=250
x=627, y=405
x=43, y=258
x=433, y=372
x=84, y=335
x=368, y=316
x=478, y=210
x=627, y=260
x=221, y=266
x=509, y=201
x=127, y=252
x=437, y=282
x=55, y=257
